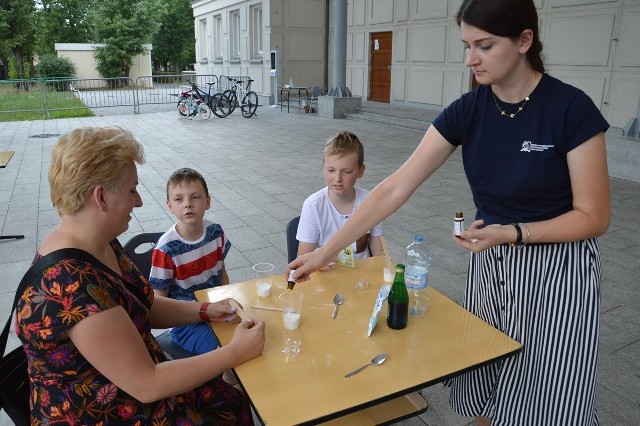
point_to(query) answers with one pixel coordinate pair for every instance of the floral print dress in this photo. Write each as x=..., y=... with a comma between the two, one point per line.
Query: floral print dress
x=66, y=389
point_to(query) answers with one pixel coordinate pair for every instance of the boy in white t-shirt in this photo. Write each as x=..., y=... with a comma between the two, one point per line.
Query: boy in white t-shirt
x=325, y=211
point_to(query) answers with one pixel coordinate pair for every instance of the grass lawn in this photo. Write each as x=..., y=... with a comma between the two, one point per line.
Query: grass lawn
x=20, y=106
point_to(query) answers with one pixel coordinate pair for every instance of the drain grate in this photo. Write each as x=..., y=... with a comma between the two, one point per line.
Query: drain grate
x=45, y=135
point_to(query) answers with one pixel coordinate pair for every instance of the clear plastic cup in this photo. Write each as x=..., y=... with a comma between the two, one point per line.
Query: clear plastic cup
x=291, y=302
x=264, y=274
x=391, y=260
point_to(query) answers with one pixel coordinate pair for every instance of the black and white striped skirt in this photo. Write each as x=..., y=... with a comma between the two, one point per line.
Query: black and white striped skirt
x=546, y=297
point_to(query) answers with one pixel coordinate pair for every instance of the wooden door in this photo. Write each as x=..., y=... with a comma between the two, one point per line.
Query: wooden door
x=380, y=46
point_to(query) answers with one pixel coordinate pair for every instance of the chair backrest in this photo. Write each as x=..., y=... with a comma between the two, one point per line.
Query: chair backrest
x=292, y=242
x=142, y=259
x=317, y=91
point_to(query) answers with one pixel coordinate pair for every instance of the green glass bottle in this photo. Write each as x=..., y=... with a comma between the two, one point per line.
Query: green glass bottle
x=398, y=301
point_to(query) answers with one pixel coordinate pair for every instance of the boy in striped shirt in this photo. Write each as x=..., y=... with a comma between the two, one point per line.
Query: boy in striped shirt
x=190, y=255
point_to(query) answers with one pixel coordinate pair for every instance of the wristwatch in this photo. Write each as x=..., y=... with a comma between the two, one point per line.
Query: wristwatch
x=518, y=242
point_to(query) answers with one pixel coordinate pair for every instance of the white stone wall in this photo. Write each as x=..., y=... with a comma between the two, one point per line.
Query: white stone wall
x=591, y=44
x=81, y=54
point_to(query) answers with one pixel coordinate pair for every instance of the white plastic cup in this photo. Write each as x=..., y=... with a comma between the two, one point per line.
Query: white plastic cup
x=291, y=302
x=264, y=274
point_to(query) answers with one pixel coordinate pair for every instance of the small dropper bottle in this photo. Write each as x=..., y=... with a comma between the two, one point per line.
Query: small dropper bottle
x=458, y=223
x=291, y=281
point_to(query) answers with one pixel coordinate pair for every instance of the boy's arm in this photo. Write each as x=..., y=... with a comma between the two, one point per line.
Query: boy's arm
x=163, y=293
x=304, y=248
x=224, y=277
x=157, y=262
x=375, y=245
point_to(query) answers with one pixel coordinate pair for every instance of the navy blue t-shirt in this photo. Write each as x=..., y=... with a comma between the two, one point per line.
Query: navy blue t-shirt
x=517, y=167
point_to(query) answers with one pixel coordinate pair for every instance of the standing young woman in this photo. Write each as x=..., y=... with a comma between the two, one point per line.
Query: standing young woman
x=534, y=154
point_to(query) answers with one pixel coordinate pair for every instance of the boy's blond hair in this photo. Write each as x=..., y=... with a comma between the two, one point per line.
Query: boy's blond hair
x=344, y=143
x=87, y=157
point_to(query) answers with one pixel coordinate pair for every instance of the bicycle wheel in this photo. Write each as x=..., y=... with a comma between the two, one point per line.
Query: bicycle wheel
x=204, y=111
x=249, y=104
x=233, y=99
x=220, y=105
x=183, y=109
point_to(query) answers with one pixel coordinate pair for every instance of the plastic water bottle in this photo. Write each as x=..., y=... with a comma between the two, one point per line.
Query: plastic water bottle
x=417, y=262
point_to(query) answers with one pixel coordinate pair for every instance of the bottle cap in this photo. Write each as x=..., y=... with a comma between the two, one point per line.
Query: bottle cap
x=459, y=215
x=418, y=238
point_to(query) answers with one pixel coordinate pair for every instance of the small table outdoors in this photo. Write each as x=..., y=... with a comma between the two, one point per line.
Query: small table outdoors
x=288, y=91
x=311, y=387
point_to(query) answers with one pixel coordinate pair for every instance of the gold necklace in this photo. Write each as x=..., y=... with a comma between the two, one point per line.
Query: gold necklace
x=520, y=108
x=505, y=113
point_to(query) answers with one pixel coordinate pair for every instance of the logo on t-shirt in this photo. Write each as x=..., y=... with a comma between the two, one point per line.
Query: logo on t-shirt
x=527, y=146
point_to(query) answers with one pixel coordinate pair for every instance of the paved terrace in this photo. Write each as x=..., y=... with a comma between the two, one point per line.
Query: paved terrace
x=259, y=172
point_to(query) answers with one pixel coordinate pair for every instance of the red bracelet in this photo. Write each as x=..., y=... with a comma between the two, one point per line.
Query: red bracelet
x=203, y=312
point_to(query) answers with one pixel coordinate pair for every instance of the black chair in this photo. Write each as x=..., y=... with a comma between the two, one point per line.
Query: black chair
x=142, y=259
x=292, y=242
x=312, y=101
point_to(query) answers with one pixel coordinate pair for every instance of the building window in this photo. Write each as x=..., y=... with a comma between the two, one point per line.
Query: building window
x=256, y=31
x=217, y=37
x=202, y=40
x=234, y=34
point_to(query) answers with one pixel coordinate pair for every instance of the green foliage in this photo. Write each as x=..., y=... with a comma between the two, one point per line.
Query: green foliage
x=17, y=71
x=112, y=62
x=18, y=33
x=124, y=26
x=62, y=21
x=174, y=44
x=55, y=66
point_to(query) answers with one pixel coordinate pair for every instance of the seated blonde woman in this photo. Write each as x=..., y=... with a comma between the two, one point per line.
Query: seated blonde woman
x=86, y=324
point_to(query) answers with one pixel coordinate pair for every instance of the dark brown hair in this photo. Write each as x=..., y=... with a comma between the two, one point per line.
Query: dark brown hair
x=505, y=18
x=186, y=175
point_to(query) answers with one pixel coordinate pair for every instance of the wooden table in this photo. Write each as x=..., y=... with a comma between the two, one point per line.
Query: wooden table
x=311, y=387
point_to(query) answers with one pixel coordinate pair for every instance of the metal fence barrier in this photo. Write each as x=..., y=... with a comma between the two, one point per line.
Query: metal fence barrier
x=21, y=96
x=98, y=96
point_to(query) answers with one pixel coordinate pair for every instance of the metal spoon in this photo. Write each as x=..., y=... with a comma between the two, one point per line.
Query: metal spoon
x=377, y=360
x=337, y=299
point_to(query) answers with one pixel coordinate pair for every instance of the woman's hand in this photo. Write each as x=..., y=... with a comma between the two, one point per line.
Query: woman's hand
x=222, y=311
x=248, y=340
x=478, y=238
x=306, y=264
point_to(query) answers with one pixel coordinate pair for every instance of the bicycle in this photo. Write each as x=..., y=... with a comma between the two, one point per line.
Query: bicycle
x=249, y=98
x=219, y=104
x=189, y=106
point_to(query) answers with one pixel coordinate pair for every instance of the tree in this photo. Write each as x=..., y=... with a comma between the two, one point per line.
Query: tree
x=62, y=21
x=124, y=26
x=4, y=47
x=17, y=18
x=174, y=44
